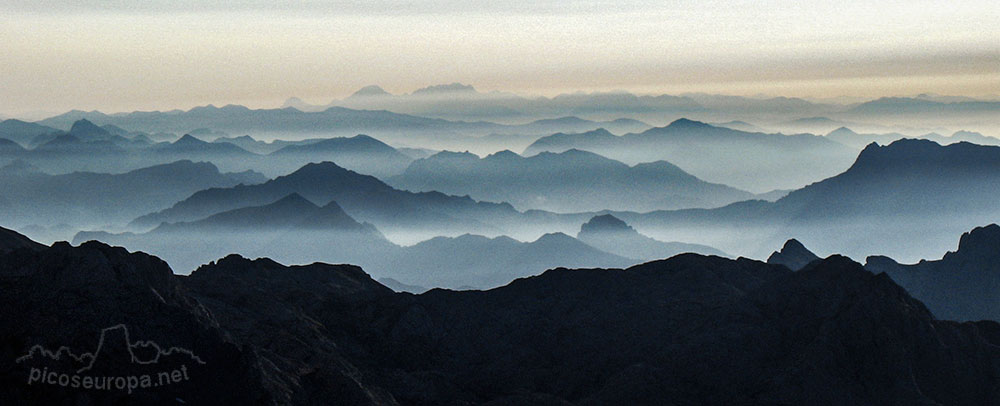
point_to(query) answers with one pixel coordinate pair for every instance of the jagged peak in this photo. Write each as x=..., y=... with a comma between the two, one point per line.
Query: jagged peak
x=793, y=254
x=980, y=242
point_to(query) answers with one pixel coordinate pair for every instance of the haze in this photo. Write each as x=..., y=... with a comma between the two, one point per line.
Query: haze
x=116, y=56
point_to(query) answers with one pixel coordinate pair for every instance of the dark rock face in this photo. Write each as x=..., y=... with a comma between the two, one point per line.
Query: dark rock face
x=961, y=286
x=74, y=296
x=272, y=308
x=687, y=330
x=11, y=240
x=793, y=254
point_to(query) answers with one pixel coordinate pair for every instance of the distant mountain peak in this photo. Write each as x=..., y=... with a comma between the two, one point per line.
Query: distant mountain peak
x=450, y=88
x=188, y=140
x=85, y=129
x=843, y=131
x=370, y=91
x=684, y=123
x=606, y=223
x=556, y=238
x=505, y=154
x=793, y=254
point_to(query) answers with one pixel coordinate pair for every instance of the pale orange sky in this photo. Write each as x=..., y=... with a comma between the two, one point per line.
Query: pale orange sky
x=122, y=56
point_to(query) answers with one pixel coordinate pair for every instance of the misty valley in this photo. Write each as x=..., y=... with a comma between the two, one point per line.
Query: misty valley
x=456, y=247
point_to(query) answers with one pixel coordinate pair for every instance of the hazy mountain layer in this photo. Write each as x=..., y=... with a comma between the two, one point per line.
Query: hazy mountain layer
x=363, y=197
x=87, y=199
x=751, y=161
x=608, y=233
x=87, y=147
x=570, y=181
x=293, y=229
x=847, y=137
x=891, y=194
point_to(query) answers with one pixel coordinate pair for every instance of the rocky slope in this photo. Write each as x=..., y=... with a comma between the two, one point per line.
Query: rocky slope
x=686, y=330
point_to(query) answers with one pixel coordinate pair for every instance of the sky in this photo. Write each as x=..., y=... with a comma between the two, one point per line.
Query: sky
x=57, y=55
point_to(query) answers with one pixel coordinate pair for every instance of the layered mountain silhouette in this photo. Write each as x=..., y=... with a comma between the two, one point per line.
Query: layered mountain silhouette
x=364, y=197
x=848, y=137
x=23, y=132
x=361, y=153
x=570, y=181
x=481, y=262
x=290, y=228
x=89, y=147
x=751, y=161
x=690, y=329
x=909, y=107
x=891, y=193
x=295, y=229
x=94, y=199
x=611, y=234
x=292, y=211
x=963, y=285
x=463, y=102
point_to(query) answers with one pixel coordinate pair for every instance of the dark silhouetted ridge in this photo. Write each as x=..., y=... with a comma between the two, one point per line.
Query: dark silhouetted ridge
x=793, y=254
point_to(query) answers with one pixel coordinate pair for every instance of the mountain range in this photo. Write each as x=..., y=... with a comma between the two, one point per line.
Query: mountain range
x=88, y=147
x=569, y=181
x=890, y=193
x=294, y=229
x=850, y=138
x=962, y=285
x=750, y=161
x=87, y=199
x=686, y=330
x=365, y=197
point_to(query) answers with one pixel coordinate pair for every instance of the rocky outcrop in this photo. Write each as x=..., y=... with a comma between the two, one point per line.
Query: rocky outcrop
x=793, y=254
x=963, y=285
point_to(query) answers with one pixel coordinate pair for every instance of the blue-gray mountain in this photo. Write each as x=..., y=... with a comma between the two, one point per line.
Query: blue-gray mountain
x=751, y=161
x=570, y=181
x=86, y=199
x=294, y=229
x=608, y=233
x=889, y=195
